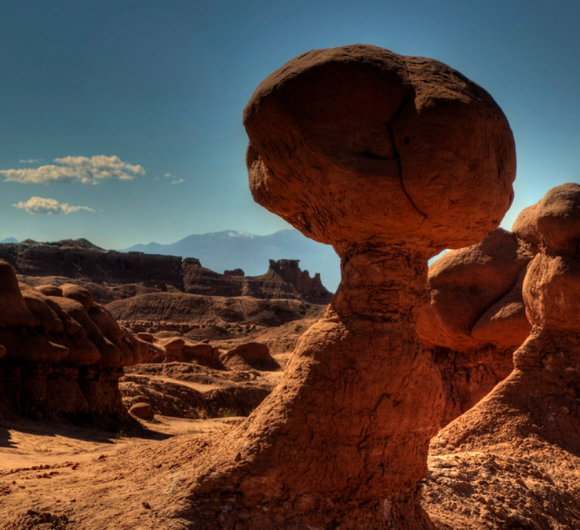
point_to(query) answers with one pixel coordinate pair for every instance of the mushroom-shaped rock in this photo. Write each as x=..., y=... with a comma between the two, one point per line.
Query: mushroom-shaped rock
x=78, y=293
x=386, y=145
x=390, y=159
x=534, y=411
x=201, y=353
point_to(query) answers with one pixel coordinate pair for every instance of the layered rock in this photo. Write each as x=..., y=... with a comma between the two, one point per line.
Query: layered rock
x=476, y=317
x=284, y=279
x=390, y=159
x=529, y=425
x=63, y=353
x=188, y=313
x=112, y=275
x=81, y=260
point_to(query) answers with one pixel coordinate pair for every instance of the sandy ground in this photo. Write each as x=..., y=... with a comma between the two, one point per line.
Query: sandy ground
x=59, y=477
x=26, y=443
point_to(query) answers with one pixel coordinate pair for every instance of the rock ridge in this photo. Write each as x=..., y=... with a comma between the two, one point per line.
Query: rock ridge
x=113, y=275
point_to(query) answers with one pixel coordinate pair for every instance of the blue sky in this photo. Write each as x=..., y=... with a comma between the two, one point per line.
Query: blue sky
x=140, y=101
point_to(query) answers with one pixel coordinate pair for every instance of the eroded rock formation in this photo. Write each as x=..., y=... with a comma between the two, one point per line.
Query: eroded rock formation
x=62, y=353
x=531, y=420
x=112, y=275
x=208, y=316
x=283, y=279
x=390, y=159
x=476, y=318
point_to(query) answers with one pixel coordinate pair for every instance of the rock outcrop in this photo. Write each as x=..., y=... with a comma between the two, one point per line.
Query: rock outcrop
x=211, y=316
x=529, y=425
x=112, y=275
x=284, y=279
x=390, y=159
x=248, y=356
x=63, y=354
x=476, y=317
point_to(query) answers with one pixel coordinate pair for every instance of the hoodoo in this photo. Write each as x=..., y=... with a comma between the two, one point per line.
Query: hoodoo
x=529, y=423
x=390, y=159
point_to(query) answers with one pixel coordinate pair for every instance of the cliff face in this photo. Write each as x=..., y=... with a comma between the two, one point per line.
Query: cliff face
x=113, y=275
x=80, y=259
x=284, y=279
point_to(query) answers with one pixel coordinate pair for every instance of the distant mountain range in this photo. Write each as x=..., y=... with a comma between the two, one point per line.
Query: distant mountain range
x=9, y=240
x=239, y=250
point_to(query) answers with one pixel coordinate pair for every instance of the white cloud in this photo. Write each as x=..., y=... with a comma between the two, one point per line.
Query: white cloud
x=49, y=206
x=30, y=161
x=168, y=175
x=76, y=169
x=177, y=181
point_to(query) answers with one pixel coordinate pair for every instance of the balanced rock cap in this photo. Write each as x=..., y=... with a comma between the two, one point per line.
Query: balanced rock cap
x=350, y=142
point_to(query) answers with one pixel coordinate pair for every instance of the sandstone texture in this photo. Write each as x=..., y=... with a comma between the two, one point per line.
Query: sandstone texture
x=194, y=391
x=476, y=317
x=526, y=431
x=63, y=354
x=208, y=316
x=390, y=159
x=284, y=279
x=248, y=356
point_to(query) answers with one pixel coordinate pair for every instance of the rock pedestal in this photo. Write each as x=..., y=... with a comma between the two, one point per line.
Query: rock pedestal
x=390, y=159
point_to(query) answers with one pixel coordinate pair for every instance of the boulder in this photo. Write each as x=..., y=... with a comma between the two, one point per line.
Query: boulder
x=49, y=290
x=251, y=355
x=78, y=293
x=142, y=410
x=476, y=318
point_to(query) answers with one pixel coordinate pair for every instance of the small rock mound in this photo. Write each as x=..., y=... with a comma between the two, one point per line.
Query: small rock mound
x=251, y=355
x=142, y=410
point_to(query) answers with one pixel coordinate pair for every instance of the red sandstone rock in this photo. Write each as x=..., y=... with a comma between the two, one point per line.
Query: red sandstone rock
x=250, y=355
x=390, y=159
x=476, y=318
x=532, y=416
x=78, y=293
x=57, y=357
x=147, y=337
x=200, y=353
x=49, y=290
x=142, y=410
x=13, y=309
